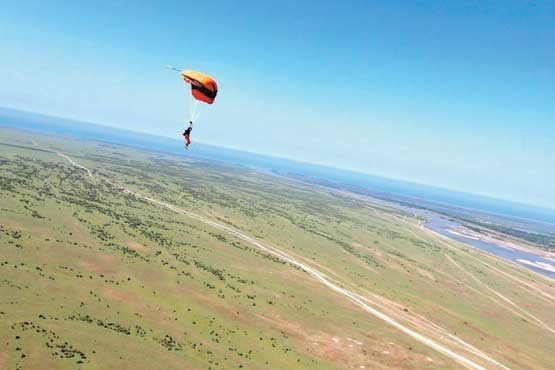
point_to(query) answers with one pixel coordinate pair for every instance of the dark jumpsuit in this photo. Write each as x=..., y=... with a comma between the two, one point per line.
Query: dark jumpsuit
x=186, y=134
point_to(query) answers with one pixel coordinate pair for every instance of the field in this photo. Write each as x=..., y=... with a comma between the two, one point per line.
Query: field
x=113, y=257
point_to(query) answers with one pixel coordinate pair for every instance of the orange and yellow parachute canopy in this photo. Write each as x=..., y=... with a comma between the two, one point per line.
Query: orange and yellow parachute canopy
x=203, y=87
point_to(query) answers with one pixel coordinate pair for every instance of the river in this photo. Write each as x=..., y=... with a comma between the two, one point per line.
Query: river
x=451, y=229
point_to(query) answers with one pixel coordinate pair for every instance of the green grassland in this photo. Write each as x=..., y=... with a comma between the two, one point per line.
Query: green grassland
x=92, y=277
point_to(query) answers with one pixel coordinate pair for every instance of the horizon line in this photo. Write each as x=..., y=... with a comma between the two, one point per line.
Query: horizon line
x=318, y=164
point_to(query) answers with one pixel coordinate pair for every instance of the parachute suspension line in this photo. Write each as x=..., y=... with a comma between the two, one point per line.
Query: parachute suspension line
x=193, y=109
x=197, y=110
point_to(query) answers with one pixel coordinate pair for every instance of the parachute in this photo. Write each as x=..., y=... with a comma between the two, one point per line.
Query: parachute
x=203, y=88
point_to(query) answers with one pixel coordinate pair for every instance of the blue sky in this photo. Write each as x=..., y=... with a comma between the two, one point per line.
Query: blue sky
x=454, y=94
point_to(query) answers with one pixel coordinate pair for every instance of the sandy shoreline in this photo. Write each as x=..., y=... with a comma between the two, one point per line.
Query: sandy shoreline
x=505, y=242
x=540, y=265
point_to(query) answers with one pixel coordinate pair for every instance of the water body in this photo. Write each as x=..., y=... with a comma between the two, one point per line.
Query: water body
x=445, y=227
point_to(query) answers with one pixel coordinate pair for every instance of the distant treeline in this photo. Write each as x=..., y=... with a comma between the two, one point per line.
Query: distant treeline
x=543, y=241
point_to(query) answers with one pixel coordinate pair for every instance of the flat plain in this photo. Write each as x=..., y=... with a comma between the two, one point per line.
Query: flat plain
x=114, y=257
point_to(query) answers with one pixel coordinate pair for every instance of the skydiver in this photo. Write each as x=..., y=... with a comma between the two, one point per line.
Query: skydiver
x=187, y=134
